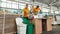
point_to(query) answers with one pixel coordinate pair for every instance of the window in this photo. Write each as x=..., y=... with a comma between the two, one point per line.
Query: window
x=56, y=12
x=12, y=0
x=11, y=5
x=3, y=4
x=8, y=5
x=0, y=3
x=3, y=0
x=21, y=5
x=9, y=1
x=15, y=6
x=52, y=12
x=13, y=11
x=45, y=10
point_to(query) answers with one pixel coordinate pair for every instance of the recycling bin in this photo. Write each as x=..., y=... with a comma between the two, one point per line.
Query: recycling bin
x=21, y=27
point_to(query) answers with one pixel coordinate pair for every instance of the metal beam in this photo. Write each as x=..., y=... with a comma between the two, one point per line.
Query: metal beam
x=54, y=2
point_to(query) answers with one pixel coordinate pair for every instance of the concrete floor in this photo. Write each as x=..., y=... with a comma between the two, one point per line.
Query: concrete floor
x=56, y=30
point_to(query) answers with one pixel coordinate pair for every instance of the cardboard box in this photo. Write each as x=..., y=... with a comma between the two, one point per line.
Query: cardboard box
x=39, y=23
x=49, y=24
x=1, y=25
x=10, y=24
x=38, y=26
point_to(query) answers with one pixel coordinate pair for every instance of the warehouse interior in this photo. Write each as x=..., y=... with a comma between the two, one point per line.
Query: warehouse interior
x=12, y=9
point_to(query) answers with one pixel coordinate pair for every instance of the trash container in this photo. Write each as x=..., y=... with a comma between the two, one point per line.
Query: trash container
x=30, y=28
x=21, y=28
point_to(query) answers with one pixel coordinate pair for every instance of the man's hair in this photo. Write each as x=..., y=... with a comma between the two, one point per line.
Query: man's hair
x=37, y=6
x=26, y=4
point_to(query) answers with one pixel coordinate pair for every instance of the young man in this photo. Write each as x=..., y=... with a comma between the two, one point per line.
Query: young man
x=26, y=20
x=35, y=10
x=26, y=11
x=25, y=14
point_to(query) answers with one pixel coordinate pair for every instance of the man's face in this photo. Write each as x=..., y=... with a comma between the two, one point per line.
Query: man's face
x=37, y=6
x=27, y=5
